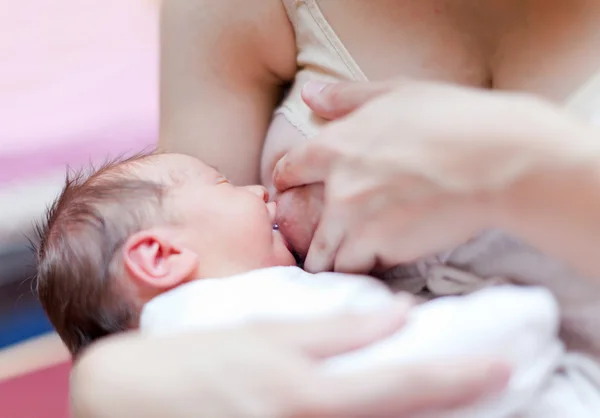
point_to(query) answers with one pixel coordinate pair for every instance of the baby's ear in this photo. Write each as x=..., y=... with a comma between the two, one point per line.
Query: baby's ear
x=153, y=259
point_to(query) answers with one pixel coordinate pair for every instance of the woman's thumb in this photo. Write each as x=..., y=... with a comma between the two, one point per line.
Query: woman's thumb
x=335, y=100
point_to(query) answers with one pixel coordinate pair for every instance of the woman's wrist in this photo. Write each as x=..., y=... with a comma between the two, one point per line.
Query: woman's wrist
x=555, y=206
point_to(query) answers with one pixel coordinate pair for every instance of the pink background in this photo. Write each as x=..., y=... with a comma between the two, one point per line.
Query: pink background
x=78, y=78
x=78, y=81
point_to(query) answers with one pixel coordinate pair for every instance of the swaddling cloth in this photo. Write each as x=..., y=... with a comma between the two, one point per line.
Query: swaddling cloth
x=519, y=325
x=494, y=257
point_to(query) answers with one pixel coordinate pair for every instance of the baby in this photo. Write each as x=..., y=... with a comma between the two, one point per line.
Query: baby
x=164, y=243
x=140, y=227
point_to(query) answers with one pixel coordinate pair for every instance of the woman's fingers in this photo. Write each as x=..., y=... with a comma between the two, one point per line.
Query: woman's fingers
x=328, y=337
x=355, y=256
x=310, y=163
x=403, y=391
x=335, y=100
x=307, y=164
x=328, y=238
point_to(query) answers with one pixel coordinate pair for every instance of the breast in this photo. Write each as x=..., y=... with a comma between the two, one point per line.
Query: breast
x=281, y=137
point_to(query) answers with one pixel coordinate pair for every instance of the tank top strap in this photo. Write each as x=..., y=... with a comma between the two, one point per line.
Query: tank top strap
x=321, y=56
x=314, y=33
x=290, y=8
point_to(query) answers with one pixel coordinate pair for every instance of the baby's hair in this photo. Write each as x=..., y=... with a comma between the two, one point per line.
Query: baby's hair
x=78, y=240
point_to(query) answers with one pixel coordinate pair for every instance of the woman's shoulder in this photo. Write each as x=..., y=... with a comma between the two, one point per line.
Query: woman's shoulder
x=218, y=31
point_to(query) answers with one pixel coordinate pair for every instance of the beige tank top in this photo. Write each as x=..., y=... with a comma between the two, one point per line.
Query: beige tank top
x=321, y=56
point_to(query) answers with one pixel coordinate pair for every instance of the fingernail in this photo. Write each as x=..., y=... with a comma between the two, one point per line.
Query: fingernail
x=313, y=88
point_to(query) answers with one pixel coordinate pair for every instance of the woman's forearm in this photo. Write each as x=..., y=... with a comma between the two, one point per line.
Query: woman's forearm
x=557, y=210
x=117, y=378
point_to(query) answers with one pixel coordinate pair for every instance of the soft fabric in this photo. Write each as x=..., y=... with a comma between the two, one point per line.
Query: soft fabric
x=495, y=257
x=517, y=324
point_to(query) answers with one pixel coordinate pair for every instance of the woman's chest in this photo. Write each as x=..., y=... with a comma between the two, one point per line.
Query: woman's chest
x=545, y=47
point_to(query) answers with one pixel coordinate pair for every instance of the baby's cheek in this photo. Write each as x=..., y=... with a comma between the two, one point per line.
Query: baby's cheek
x=298, y=213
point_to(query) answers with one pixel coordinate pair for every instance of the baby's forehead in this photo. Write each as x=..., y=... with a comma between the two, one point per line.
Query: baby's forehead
x=173, y=168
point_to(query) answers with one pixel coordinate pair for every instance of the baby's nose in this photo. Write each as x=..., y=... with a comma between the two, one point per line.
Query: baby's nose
x=260, y=191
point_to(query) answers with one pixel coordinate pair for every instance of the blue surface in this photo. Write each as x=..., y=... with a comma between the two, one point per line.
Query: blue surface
x=21, y=315
x=22, y=322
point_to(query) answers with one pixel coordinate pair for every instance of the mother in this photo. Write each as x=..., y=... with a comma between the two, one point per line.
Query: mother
x=225, y=63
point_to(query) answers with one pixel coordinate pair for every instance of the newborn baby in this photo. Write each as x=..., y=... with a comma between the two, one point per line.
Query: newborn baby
x=140, y=227
x=165, y=243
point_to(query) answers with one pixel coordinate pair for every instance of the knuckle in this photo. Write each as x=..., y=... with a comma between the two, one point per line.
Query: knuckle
x=334, y=95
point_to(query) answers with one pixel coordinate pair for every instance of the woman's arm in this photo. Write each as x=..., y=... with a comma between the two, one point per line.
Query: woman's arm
x=557, y=210
x=223, y=65
x=271, y=371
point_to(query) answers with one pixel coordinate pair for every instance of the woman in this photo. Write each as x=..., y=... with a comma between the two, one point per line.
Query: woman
x=457, y=176
x=225, y=64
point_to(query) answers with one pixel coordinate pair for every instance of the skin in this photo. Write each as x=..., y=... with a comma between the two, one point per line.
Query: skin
x=219, y=89
x=504, y=161
x=507, y=164
x=298, y=214
x=215, y=230
x=275, y=375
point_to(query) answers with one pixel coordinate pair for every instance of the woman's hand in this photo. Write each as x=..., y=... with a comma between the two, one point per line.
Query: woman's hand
x=270, y=371
x=422, y=167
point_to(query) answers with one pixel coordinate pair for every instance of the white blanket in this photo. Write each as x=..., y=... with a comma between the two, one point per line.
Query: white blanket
x=517, y=324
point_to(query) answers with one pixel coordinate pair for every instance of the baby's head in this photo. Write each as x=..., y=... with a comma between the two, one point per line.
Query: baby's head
x=133, y=229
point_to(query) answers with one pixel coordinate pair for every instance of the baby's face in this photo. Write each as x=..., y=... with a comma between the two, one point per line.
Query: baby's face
x=229, y=227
